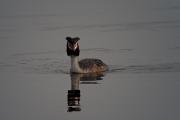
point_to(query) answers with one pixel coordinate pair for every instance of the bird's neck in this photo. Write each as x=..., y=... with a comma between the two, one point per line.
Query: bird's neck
x=75, y=68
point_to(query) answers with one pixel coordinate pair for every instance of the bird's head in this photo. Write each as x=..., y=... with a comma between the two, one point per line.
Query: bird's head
x=72, y=47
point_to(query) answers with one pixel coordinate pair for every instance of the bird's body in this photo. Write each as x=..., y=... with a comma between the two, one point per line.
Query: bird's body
x=92, y=65
x=88, y=65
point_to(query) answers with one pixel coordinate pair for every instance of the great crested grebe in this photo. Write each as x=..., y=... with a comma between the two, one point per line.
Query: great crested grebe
x=88, y=65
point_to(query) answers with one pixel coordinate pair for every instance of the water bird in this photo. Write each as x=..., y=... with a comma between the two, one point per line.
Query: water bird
x=87, y=65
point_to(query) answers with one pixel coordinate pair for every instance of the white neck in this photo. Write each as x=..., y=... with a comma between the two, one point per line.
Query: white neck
x=75, y=64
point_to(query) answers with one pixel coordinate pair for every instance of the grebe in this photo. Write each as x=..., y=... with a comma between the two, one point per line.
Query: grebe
x=88, y=65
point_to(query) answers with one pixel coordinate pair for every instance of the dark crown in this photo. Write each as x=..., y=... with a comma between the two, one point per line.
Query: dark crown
x=72, y=40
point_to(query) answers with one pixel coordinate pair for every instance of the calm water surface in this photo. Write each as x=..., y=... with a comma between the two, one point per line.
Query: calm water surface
x=139, y=40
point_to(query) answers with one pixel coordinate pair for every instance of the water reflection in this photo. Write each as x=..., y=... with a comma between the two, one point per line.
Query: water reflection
x=74, y=94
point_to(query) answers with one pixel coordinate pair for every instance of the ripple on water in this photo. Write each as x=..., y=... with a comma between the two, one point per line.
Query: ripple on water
x=63, y=68
x=51, y=62
x=151, y=68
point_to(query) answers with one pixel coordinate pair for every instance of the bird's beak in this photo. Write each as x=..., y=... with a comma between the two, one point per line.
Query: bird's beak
x=75, y=46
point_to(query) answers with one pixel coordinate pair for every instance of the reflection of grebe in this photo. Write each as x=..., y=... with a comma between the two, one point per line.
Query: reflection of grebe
x=88, y=65
x=74, y=94
x=73, y=97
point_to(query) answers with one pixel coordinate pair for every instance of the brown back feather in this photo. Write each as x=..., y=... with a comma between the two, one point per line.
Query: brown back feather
x=92, y=65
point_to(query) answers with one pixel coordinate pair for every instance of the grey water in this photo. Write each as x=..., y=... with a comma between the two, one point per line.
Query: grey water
x=138, y=40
